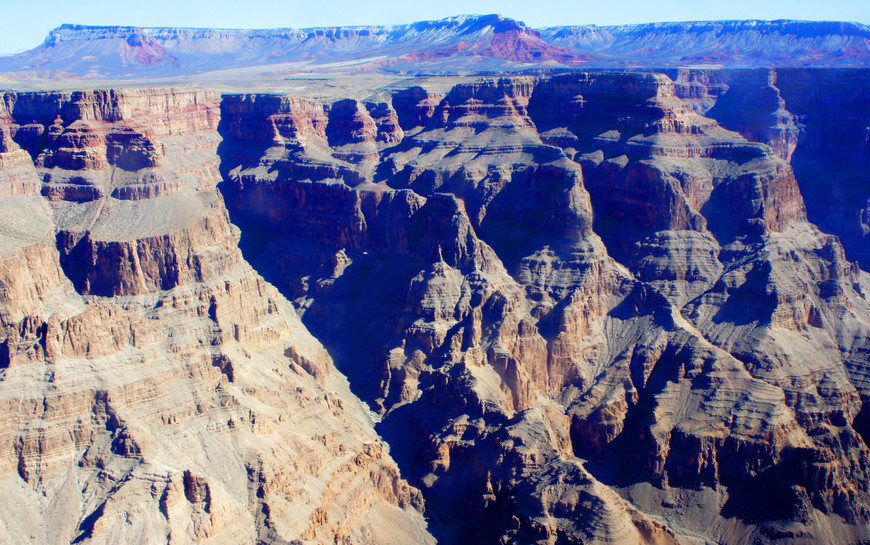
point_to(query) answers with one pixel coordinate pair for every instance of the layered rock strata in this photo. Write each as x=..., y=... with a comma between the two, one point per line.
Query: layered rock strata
x=156, y=389
x=466, y=44
x=576, y=270
x=814, y=119
x=581, y=309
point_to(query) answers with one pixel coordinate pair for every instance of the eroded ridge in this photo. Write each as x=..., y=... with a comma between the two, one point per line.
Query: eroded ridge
x=155, y=387
x=586, y=309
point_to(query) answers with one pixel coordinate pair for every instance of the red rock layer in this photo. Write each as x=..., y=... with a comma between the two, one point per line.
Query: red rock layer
x=143, y=358
x=680, y=367
x=536, y=283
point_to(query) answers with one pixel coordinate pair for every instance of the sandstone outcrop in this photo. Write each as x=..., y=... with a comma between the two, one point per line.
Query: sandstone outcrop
x=609, y=248
x=156, y=389
x=586, y=308
x=811, y=118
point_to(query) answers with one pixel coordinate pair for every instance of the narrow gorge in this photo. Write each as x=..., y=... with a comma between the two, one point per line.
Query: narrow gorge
x=593, y=307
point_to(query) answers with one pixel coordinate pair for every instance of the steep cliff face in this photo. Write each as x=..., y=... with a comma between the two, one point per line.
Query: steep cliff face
x=835, y=146
x=581, y=268
x=156, y=389
x=581, y=309
x=812, y=118
x=402, y=279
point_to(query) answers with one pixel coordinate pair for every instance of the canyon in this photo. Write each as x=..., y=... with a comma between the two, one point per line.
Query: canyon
x=599, y=306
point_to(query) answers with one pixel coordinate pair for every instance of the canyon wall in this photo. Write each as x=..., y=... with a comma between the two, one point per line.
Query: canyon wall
x=592, y=308
x=156, y=388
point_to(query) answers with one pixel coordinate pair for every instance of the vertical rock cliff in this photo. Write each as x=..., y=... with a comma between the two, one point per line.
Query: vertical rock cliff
x=590, y=308
x=813, y=118
x=156, y=388
x=547, y=284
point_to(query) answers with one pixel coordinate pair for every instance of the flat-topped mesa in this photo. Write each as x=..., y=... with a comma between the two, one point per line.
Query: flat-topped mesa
x=350, y=123
x=149, y=263
x=269, y=120
x=734, y=43
x=488, y=103
x=130, y=144
x=387, y=121
x=481, y=145
x=466, y=44
x=352, y=132
x=480, y=123
x=307, y=140
x=98, y=155
x=415, y=106
x=88, y=146
x=626, y=112
x=166, y=111
x=474, y=127
x=652, y=163
x=699, y=87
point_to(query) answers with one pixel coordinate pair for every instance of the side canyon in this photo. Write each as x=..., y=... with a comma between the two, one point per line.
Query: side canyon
x=594, y=307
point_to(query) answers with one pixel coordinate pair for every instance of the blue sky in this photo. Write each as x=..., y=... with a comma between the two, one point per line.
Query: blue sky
x=25, y=23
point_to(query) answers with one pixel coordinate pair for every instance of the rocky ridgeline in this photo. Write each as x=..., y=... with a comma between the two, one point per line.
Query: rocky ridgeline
x=585, y=309
x=149, y=375
x=468, y=44
x=708, y=309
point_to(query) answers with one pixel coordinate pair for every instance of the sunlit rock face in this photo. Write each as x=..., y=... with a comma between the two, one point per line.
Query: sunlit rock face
x=155, y=387
x=462, y=45
x=594, y=307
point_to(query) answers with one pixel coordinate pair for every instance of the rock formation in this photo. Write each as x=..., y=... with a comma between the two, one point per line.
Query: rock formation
x=586, y=308
x=676, y=371
x=156, y=388
x=468, y=44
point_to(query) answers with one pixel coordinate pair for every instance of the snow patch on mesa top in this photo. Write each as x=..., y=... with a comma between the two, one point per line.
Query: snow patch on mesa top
x=132, y=52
